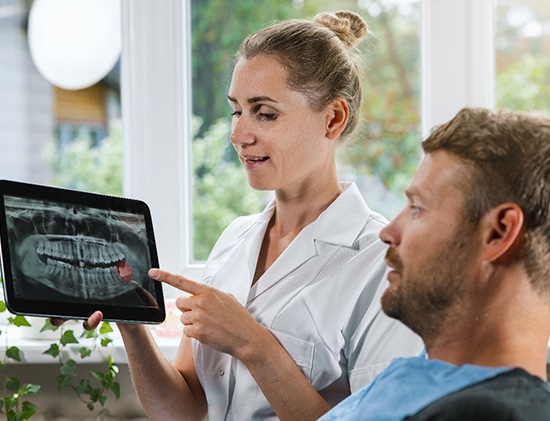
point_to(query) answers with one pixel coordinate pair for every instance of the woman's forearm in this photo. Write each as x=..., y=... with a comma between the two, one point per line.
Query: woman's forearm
x=163, y=390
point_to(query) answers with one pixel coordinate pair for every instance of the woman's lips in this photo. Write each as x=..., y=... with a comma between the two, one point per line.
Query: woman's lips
x=251, y=162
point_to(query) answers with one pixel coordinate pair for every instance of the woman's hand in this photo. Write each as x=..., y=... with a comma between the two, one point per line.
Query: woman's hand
x=213, y=317
x=90, y=324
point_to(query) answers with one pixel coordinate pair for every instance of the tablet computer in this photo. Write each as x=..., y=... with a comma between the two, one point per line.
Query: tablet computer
x=67, y=253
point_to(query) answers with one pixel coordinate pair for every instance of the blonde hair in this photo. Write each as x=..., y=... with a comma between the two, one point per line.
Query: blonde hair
x=319, y=57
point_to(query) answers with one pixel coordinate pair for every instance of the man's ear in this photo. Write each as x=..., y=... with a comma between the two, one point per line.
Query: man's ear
x=337, y=118
x=504, y=229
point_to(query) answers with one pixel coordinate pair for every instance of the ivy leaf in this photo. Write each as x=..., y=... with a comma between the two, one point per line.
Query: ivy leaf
x=11, y=402
x=84, y=387
x=48, y=326
x=29, y=389
x=105, y=328
x=2, y=306
x=28, y=410
x=96, y=394
x=106, y=341
x=19, y=321
x=115, y=388
x=63, y=381
x=14, y=353
x=84, y=352
x=12, y=384
x=89, y=334
x=98, y=374
x=102, y=399
x=68, y=338
x=114, y=369
x=111, y=372
x=53, y=350
x=69, y=368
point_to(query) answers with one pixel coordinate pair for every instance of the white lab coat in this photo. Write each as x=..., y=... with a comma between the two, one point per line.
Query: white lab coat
x=321, y=300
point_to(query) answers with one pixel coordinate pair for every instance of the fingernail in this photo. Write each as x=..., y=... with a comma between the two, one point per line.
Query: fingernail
x=154, y=273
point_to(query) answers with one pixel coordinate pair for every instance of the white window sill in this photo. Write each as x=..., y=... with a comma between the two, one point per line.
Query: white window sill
x=32, y=349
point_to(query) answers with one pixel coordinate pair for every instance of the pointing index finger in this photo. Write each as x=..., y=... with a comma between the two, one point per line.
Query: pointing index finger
x=176, y=281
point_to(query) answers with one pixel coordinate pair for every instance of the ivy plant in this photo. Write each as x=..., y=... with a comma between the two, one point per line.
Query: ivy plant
x=91, y=390
x=13, y=401
x=88, y=391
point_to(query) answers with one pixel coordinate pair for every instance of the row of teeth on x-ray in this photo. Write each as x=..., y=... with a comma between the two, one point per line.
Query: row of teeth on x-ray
x=82, y=266
x=84, y=282
x=90, y=279
x=89, y=251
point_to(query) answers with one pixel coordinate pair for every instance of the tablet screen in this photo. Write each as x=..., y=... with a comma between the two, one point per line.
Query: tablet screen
x=66, y=253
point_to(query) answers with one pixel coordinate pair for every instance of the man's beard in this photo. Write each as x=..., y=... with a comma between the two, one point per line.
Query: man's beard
x=426, y=296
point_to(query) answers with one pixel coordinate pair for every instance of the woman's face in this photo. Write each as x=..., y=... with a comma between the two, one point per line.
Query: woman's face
x=280, y=140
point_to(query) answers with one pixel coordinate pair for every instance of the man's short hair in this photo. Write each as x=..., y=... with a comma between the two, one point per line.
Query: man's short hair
x=507, y=155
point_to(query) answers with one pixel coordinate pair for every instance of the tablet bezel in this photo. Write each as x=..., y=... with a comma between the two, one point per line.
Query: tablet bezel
x=114, y=312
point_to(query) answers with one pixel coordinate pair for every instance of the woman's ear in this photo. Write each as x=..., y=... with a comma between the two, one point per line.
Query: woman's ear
x=337, y=118
x=504, y=231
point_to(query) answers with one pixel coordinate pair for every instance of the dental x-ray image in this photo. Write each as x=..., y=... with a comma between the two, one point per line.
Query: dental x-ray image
x=72, y=253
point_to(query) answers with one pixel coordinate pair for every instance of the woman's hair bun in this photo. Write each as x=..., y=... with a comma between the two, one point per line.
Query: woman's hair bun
x=348, y=26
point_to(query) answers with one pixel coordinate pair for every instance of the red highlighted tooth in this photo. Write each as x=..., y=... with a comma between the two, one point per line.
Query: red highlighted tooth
x=124, y=271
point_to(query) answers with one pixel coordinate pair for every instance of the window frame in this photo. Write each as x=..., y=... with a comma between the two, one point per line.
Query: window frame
x=457, y=70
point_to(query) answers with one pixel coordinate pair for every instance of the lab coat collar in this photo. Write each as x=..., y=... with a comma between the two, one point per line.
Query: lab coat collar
x=339, y=225
x=344, y=220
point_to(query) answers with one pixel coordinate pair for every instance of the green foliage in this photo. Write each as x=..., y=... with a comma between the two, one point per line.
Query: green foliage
x=19, y=321
x=14, y=408
x=12, y=403
x=83, y=166
x=85, y=389
x=90, y=391
x=524, y=84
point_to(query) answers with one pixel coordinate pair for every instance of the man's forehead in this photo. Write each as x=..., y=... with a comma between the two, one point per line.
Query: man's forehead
x=437, y=177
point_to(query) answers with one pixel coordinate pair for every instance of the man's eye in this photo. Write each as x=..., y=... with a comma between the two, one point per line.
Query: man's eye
x=415, y=210
x=236, y=114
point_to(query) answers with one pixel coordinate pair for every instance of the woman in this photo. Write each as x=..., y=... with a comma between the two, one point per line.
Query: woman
x=287, y=321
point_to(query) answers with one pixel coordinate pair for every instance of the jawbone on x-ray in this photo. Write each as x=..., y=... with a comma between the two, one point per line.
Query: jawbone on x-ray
x=79, y=252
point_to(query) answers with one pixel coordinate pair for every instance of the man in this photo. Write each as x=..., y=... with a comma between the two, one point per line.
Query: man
x=470, y=260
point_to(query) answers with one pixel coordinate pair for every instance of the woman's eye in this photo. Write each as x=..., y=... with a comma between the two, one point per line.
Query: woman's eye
x=268, y=116
x=235, y=114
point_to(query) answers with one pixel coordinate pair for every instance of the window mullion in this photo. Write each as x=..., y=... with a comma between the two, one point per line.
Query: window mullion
x=457, y=58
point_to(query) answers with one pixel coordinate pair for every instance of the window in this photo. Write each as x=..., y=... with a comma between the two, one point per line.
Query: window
x=51, y=134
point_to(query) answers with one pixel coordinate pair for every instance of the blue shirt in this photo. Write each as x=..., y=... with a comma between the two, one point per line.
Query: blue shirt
x=407, y=386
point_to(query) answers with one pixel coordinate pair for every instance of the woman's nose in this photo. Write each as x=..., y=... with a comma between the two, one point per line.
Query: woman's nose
x=241, y=131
